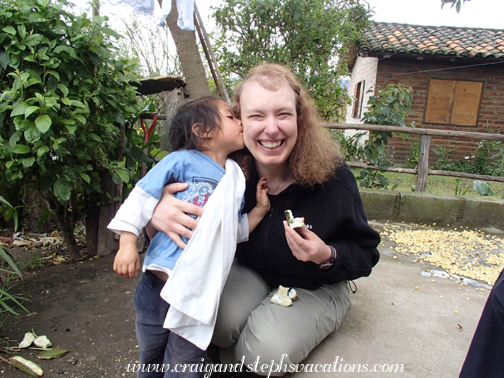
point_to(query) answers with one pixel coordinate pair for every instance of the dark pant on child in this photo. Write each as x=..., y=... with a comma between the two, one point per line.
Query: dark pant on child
x=163, y=354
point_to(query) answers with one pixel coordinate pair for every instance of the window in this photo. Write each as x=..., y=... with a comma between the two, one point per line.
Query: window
x=453, y=102
x=359, y=96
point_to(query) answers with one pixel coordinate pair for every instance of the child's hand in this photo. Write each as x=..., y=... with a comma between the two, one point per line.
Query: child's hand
x=127, y=261
x=262, y=199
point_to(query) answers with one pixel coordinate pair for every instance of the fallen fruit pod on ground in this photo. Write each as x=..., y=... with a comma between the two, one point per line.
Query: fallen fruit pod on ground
x=42, y=342
x=27, y=366
x=27, y=340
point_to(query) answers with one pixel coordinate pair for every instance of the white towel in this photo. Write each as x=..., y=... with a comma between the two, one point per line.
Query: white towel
x=194, y=288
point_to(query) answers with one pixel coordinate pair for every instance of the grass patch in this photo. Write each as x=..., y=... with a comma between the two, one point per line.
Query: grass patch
x=438, y=184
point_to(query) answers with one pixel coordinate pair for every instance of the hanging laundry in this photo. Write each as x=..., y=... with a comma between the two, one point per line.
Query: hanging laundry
x=145, y=7
x=185, y=10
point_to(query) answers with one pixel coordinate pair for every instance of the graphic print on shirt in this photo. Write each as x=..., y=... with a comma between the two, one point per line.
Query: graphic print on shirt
x=200, y=189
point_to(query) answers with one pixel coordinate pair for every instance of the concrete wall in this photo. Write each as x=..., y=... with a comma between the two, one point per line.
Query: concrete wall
x=442, y=209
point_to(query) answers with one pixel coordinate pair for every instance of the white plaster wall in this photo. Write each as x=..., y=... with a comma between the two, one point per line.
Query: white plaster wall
x=364, y=69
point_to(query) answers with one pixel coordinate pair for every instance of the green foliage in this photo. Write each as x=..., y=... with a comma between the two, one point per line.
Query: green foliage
x=8, y=268
x=65, y=99
x=8, y=211
x=389, y=106
x=351, y=146
x=307, y=35
x=454, y=3
x=488, y=159
x=459, y=190
x=482, y=188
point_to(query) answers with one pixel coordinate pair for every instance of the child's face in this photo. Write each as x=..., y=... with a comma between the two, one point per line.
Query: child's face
x=230, y=136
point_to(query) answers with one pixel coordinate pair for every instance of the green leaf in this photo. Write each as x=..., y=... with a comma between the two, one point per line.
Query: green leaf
x=44, y=3
x=19, y=108
x=62, y=191
x=123, y=175
x=32, y=134
x=42, y=150
x=71, y=128
x=5, y=256
x=54, y=73
x=96, y=137
x=81, y=119
x=78, y=104
x=43, y=123
x=85, y=177
x=30, y=110
x=21, y=149
x=28, y=162
x=52, y=353
x=4, y=59
x=9, y=30
x=63, y=88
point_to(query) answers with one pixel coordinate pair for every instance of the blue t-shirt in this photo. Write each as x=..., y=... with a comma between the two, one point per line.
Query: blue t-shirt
x=202, y=174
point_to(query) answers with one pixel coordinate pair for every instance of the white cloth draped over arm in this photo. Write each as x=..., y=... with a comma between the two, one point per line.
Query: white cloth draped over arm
x=193, y=289
x=134, y=213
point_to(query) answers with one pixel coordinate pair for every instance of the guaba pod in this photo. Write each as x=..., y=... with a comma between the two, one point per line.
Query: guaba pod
x=27, y=340
x=27, y=366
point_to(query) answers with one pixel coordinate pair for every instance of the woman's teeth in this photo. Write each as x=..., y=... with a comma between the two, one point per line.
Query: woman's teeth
x=270, y=144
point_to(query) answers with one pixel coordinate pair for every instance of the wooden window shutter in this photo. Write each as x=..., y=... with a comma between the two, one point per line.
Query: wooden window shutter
x=440, y=101
x=466, y=104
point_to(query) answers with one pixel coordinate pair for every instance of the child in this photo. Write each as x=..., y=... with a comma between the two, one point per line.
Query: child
x=202, y=135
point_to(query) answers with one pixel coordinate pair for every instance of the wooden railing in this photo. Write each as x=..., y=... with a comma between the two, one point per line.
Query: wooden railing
x=423, y=159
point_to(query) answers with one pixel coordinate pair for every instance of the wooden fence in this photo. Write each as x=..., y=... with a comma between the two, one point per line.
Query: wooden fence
x=423, y=160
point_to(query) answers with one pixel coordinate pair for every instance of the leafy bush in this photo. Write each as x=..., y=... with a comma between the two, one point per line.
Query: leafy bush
x=389, y=106
x=64, y=106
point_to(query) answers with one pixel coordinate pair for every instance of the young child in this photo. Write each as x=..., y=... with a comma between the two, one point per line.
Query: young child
x=202, y=135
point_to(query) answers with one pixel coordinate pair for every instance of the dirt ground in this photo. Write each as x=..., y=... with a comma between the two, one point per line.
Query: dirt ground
x=83, y=307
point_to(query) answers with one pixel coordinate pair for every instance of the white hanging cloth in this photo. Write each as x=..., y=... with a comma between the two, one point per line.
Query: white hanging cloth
x=194, y=288
x=185, y=10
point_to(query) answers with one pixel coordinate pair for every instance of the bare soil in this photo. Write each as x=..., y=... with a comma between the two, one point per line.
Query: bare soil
x=83, y=307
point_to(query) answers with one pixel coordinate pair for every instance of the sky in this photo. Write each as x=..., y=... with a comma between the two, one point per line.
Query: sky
x=474, y=13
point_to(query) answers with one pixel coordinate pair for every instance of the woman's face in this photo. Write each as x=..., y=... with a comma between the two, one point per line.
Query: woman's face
x=269, y=122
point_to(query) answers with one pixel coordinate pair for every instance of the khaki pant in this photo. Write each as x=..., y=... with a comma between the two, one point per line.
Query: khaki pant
x=250, y=327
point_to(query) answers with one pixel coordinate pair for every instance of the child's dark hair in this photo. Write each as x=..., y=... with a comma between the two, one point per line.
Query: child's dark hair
x=202, y=112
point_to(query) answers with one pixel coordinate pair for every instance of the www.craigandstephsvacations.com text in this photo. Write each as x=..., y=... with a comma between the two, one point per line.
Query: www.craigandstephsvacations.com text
x=337, y=366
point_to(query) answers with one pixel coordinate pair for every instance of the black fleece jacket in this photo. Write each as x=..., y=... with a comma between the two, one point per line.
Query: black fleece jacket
x=334, y=212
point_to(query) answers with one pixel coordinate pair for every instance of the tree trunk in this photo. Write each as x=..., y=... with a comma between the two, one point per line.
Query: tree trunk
x=107, y=244
x=66, y=226
x=37, y=207
x=189, y=55
x=172, y=101
x=92, y=222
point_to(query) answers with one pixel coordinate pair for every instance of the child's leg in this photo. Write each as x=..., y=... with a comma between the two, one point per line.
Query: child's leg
x=162, y=353
x=185, y=359
x=152, y=338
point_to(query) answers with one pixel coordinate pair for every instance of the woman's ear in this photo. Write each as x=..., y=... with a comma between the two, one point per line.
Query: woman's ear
x=199, y=130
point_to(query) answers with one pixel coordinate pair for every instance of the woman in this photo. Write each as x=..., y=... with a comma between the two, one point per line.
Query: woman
x=305, y=174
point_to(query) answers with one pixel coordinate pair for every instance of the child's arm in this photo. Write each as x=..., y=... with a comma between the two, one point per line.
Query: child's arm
x=127, y=261
x=262, y=206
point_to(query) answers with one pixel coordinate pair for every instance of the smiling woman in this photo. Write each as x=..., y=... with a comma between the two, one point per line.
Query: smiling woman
x=285, y=142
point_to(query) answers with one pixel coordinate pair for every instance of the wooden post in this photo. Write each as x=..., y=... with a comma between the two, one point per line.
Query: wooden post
x=423, y=163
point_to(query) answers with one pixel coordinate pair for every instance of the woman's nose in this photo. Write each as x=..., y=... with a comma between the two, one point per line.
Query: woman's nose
x=271, y=126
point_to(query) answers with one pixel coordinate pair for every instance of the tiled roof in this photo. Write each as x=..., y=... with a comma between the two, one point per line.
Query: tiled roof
x=383, y=38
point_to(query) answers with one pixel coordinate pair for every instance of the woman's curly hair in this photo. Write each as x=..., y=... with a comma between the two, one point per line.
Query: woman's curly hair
x=315, y=155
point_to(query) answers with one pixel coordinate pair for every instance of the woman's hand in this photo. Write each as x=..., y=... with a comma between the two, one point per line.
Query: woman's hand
x=170, y=215
x=307, y=248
